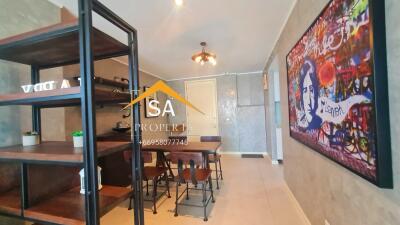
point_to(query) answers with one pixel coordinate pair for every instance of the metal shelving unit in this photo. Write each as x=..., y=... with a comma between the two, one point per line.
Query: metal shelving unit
x=57, y=46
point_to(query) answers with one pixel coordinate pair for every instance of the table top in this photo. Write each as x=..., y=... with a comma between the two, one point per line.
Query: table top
x=202, y=147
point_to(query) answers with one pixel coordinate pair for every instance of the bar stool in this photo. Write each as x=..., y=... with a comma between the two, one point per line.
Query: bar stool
x=153, y=173
x=214, y=158
x=174, y=140
x=193, y=175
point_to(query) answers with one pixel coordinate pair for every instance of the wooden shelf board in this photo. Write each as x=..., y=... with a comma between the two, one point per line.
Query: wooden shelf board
x=57, y=152
x=69, y=208
x=62, y=97
x=56, y=45
x=10, y=202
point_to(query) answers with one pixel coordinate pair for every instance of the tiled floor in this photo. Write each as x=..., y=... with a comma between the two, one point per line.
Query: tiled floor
x=253, y=193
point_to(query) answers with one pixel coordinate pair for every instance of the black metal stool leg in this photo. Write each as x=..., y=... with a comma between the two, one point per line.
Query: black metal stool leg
x=220, y=169
x=155, y=183
x=167, y=183
x=176, y=200
x=130, y=203
x=147, y=187
x=216, y=173
x=171, y=173
x=131, y=199
x=187, y=191
x=205, y=200
x=211, y=189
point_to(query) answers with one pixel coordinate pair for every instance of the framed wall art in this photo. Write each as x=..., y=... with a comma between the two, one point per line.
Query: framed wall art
x=337, y=88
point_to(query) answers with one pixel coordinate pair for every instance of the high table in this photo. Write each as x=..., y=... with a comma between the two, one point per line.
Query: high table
x=205, y=148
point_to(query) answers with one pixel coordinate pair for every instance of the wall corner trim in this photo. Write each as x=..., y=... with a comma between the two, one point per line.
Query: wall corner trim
x=297, y=205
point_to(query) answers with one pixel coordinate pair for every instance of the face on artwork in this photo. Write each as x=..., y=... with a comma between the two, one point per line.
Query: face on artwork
x=309, y=93
x=357, y=83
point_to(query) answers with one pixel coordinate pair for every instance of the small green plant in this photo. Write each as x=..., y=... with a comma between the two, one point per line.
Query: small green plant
x=78, y=133
x=31, y=133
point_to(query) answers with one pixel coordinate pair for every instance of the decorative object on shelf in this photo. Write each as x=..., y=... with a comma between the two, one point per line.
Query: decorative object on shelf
x=30, y=138
x=44, y=86
x=151, y=112
x=65, y=84
x=82, y=175
x=78, y=139
x=203, y=56
x=337, y=89
x=121, y=127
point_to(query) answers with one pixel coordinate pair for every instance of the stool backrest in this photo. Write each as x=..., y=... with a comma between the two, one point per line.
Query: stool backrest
x=191, y=159
x=186, y=157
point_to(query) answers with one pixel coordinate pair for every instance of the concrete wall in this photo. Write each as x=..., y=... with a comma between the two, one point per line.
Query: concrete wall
x=17, y=17
x=324, y=189
x=241, y=114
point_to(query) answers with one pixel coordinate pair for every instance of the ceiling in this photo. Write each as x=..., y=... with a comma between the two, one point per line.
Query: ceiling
x=241, y=33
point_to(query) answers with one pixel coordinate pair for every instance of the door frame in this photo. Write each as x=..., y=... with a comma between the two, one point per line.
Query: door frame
x=213, y=80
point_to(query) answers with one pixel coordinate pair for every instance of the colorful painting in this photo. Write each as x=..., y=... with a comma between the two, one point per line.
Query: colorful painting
x=331, y=87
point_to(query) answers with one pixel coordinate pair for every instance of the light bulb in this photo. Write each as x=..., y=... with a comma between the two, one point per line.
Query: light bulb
x=202, y=62
x=197, y=59
x=212, y=59
x=179, y=2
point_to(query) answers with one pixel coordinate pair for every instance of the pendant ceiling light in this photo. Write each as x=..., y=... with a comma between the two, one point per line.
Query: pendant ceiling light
x=203, y=56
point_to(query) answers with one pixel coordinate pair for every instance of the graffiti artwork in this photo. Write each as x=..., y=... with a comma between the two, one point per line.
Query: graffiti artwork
x=331, y=87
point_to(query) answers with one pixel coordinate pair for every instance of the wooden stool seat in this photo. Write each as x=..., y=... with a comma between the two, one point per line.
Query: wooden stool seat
x=201, y=175
x=151, y=171
x=214, y=158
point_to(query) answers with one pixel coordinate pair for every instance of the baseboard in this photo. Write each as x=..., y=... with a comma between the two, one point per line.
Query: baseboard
x=297, y=205
x=275, y=162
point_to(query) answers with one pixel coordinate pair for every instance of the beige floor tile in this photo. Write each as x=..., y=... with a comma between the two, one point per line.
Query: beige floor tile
x=253, y=193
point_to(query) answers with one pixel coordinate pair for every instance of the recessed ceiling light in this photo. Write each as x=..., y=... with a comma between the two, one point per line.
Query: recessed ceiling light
x=179, y=2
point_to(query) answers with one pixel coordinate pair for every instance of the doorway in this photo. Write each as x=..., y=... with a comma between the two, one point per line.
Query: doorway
x=202, y=94
x=274, y=114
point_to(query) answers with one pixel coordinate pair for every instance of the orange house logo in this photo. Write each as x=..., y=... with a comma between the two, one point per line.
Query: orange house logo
x=161, y=86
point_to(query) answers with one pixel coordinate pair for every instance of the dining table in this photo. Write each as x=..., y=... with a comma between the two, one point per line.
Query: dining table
x=205, y=148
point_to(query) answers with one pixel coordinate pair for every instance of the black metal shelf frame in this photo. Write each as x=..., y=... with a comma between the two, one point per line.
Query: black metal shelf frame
x=87, y=96
x=88, y=108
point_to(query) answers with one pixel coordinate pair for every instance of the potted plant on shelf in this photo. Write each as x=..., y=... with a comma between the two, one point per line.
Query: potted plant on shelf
x=30, y=138
x=78, y=139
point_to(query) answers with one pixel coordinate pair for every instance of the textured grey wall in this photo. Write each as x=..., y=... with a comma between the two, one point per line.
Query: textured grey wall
x=323, y=188
x=17, y=17
x=241, y=114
